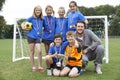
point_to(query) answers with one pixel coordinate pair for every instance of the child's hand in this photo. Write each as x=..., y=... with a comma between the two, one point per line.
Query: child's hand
x=73, y=26
x=56, y=55
x=22, y=25
x=66, y=57
x=76, y=44
x=85, y=51
x=52, y=44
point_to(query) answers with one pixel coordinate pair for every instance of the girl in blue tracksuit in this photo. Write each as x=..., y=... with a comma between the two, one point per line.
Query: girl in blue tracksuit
x=49, y=28
x=61, y=24
x=74, y=16
x=34, y=36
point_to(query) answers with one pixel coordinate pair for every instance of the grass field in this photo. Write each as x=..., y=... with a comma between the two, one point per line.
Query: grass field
x=21, y=70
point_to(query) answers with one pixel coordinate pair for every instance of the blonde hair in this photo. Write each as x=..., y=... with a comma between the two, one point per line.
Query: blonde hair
x=41, y=15
x=70, y=33
x=49, y=6
x=61, y=8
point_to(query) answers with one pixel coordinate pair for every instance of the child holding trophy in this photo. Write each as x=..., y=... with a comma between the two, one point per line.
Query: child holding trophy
x=55, y=57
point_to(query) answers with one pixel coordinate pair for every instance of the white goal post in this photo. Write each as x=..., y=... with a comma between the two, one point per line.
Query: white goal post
x=20, y=46
x=106, y=44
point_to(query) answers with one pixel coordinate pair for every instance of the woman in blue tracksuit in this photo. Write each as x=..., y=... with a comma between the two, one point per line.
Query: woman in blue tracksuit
x=34, y=35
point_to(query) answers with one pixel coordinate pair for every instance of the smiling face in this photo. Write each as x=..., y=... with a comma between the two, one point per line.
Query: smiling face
x=49, y=11
x=70, y=38
x=61, y=12
x=58, y=41
x=80, y=28
x=38, y=11
x=73, y=6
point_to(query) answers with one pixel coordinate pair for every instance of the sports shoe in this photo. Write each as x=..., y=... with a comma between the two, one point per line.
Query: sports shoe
x=84, y=65
x=83, y=69
x=80, y=73
x=49, y=72
x=98, y=69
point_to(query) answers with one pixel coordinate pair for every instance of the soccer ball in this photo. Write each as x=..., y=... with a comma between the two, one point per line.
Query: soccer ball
x=27, y=26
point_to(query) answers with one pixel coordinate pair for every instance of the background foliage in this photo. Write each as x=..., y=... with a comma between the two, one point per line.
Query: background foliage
x=112, y=12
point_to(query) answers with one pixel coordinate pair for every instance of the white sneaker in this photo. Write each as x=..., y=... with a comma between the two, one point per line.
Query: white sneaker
x=49, y=72
x=98, y=69
x=83, y=69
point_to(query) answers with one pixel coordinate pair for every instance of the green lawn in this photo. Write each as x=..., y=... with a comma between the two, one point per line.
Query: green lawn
x=21, y=70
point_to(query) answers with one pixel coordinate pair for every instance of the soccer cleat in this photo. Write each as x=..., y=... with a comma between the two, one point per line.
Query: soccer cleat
x=98, y=69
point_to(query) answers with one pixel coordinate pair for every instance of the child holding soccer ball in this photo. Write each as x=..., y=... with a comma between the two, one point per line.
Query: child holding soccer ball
x=34, y=35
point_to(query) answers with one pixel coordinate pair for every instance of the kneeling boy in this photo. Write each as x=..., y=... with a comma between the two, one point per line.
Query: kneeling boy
x=52, y=60
x=73, y=57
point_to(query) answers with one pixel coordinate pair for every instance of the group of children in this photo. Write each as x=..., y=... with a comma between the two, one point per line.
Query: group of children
x=73, y=56
x=57, y=30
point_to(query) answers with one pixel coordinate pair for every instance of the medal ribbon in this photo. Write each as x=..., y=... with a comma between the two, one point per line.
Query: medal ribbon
x=61, y=26
x=71, y=18
x=58, y=51
x=49, y=22
x=37, y=24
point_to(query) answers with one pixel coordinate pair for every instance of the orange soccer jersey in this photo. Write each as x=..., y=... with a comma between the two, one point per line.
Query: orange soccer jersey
x=73, y=52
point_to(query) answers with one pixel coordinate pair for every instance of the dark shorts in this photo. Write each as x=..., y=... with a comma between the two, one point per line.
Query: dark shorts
x=54, y=66
x=32, y=40
x=46, y=41
x=78, y=67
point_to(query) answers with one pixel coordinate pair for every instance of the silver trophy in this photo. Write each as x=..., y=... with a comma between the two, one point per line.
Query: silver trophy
x=60, y=58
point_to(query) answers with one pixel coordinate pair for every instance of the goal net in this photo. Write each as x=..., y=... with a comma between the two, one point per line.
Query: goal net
x=20, y=44
x=98, y=24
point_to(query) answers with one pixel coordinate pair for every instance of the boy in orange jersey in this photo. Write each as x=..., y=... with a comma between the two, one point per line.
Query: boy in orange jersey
x=73, y=57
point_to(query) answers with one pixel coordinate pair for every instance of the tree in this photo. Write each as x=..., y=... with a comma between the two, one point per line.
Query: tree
x=2, y=26
x=2, y=20
x=115, y=24
x=115, y=27
x=87, y=11
x=105, y=10
x=9, y=31
x=1, y=4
